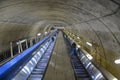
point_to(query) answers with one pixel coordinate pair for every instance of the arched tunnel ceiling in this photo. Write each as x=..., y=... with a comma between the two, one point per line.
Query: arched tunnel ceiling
x=93, y=20
x=71, y=11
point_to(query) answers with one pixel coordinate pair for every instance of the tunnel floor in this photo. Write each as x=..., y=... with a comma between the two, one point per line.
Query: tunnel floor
x=59, y=67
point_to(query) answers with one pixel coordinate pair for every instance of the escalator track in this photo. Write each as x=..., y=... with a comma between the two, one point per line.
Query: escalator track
x=80, y=71
x=39, y=70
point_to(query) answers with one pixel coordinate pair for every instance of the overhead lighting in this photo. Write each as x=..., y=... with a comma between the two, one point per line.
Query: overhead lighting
x=78, y=37
x=115, y=79
x=117, y=61
x=38, y=34
x=89, y=56
x=45, y=32
x=78, y=46
x=88, y=43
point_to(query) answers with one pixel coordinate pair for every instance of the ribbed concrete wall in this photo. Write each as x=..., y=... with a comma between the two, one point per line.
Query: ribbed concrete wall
x=96, y=21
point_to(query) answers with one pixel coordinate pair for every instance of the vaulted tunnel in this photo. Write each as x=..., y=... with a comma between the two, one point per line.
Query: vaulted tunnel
x=94, y=21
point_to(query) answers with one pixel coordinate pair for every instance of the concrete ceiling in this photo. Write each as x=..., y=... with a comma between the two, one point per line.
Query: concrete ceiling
x=94, y=20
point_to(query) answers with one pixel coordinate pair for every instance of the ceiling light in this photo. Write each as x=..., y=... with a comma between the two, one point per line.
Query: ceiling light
x=117, y=61
x=78, y=46
x=78, y=37
x=115, y=79
x=45, y=32
x=88, y=43
x=38, y=34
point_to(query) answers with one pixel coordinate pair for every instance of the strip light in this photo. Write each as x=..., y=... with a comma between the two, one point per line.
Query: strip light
x=115, y=79
x=38, y=34
x=45, y=32
x=78, y=37
x=117, y=61
x=88, y=43
x=78, y=46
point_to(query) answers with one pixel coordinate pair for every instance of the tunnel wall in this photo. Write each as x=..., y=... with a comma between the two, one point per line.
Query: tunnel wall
x=96, y=21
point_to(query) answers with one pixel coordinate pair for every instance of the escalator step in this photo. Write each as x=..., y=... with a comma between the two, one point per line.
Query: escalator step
x=82, y=75
x=77, y=70
x=84, y=79
x=80, y=71
x=41, y=67
x=37, y=72
x=35, y=77
x=42, y=64
x=36, y=69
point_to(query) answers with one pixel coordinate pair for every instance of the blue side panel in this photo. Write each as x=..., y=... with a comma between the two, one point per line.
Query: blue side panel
x=10, y=68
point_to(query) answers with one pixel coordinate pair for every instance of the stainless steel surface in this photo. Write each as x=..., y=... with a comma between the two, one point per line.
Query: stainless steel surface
x=28, y=68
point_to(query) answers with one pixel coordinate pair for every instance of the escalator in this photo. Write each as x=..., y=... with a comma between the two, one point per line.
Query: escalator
x=84, y=69
x=80, y=71
x=39, y=71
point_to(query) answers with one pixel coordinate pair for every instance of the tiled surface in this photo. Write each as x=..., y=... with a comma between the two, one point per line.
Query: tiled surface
x=60, y=67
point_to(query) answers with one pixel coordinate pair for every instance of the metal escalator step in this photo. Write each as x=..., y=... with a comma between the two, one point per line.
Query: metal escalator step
x=42, y=64
x=35, y=77
x=83, y=70
x=43, y=61
x=47, y=56
x=79, y=67
x=83, y=75
x=84, y=79
x=80, y=71
x=41, y=67
x=37, y=72
x=77, y=62
x=36, y=69
x=77, y=70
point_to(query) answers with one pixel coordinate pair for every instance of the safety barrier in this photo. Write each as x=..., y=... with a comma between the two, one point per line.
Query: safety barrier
x=9, y=69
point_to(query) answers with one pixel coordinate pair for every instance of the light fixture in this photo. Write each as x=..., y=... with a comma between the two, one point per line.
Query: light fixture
x=88, y=43
x=89, y=56
x=38, y=34
x=115, y=79
x=78, y=37
x=45, y=32
x=117, y=61
x=78, y=46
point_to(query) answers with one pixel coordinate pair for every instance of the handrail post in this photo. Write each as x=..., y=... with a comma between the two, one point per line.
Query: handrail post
x=11, y=49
